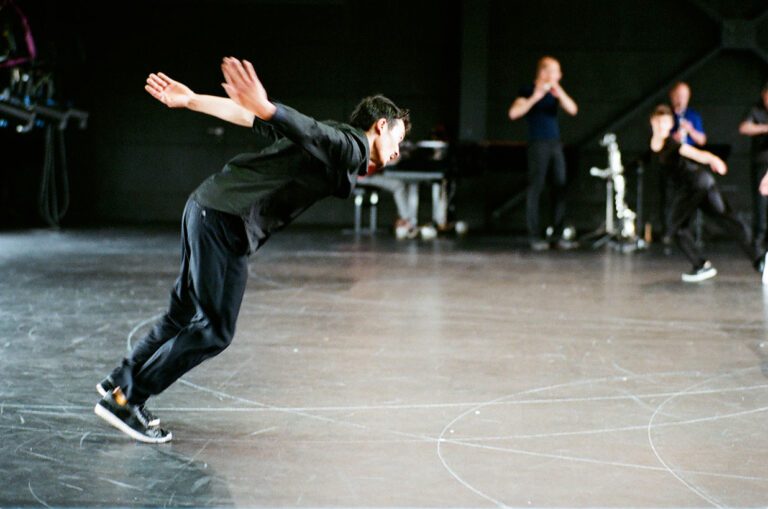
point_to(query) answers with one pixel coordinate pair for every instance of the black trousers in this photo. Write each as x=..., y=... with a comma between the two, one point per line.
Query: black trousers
x=544, y=156
x=203, y=308
x=759, y=202
x=699, y=191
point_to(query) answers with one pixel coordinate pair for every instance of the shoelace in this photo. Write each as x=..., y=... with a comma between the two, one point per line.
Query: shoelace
x=147, y=416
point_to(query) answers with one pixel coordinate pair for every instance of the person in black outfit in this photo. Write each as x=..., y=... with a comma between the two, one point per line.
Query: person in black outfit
x=232, y=214
x=695, y=188
x=539, y=104
x=755, y=125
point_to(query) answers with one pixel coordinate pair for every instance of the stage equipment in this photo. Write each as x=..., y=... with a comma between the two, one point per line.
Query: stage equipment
x=619, y=230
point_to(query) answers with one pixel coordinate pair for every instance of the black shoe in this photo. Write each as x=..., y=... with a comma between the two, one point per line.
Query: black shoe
x=107, y=385
x=706, y=271
x=130, y=420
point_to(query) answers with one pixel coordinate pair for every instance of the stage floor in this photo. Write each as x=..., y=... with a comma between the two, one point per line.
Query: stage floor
x=367, y=372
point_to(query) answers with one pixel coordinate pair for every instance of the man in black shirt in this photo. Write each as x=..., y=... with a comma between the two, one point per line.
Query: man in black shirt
x=232, y=214
x=755, y=125
x=695, y=188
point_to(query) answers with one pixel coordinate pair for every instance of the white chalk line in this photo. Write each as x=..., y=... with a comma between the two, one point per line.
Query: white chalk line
x=698, y=491
x=443, y=440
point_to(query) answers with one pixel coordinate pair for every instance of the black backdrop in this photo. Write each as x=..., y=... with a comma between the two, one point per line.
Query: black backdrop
x=137, y=161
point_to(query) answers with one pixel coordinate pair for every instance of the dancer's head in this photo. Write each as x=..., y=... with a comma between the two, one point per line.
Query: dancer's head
x=385, y=126
x=679, y=96
x=662, y=120
x=548, y=70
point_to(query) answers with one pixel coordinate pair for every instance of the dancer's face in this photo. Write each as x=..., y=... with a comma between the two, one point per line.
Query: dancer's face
x=662, y=125
x=386, y=142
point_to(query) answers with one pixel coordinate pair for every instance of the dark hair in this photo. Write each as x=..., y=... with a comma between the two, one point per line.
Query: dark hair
x=661, y=109
x=372, y=108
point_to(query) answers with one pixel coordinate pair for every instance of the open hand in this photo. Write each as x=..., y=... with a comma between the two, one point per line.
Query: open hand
x=244, y=87
x=169, y=92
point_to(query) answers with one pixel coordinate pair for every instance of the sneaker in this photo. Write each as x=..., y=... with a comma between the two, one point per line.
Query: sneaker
x=566, y=245
x=108, y=385
x=129, y=419
x=428, y=232
x=404, y=230
x=763, y=269
x=105, y=386
x=706, y=271
x=539, y=245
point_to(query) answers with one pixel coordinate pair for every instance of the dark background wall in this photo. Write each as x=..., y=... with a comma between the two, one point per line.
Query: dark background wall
x=137, y=161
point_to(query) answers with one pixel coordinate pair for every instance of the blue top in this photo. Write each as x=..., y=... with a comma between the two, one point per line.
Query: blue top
x=542, y=117
x=694, y=118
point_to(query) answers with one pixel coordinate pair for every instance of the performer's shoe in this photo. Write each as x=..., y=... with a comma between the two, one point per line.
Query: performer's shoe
x=566, y=245
x=130, y=419
x=539, y=245
x=108, y=385
x=706, y=271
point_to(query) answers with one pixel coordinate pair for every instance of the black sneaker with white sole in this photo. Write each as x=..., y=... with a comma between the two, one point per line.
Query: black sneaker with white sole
x=130, y=420
x=706, y=271
x=107, y=385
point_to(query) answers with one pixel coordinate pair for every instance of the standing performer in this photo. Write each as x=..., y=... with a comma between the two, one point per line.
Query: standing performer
x=539, y=103
x=755, y=125
x=695, y=188
x=688, y=128
x=231, y=215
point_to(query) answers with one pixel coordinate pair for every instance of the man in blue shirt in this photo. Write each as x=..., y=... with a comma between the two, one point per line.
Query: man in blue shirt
x=688, y=128
x=539, y=104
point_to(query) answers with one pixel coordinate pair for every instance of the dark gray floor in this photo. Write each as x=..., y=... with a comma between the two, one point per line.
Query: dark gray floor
x=373, y=373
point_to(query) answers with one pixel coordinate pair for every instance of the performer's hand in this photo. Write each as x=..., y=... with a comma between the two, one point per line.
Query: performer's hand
x=243, y=86
x=169, y=92
x=718, y=166
x=764, y=185
x=678, y=136
x=540, y=90
x=555, y=89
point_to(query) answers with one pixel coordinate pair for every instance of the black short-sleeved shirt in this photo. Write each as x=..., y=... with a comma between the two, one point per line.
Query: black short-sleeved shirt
x=542, y=117
x=759, y=149
x=303, y=162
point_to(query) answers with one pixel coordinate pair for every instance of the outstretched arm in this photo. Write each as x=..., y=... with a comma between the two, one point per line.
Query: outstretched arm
x=750, y=128
x=177, y=95
x=704, y=157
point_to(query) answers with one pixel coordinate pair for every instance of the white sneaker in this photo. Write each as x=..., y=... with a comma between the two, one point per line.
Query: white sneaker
x=765, y=268
x=428, y=232
x=707, y=271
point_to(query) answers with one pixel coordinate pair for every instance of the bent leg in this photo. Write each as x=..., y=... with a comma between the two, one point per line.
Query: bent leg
x=217, y=276
x=181, y=309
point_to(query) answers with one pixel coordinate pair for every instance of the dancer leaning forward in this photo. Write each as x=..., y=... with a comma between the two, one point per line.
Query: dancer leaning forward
x=231, y=215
